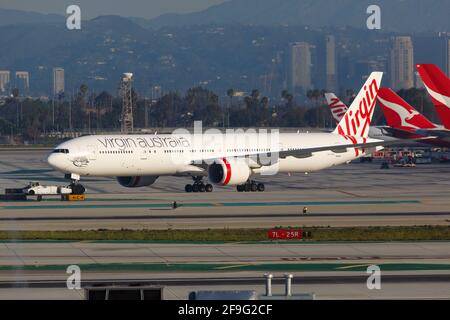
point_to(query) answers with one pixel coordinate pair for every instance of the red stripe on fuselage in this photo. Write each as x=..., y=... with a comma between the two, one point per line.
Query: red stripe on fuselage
x=228, y=173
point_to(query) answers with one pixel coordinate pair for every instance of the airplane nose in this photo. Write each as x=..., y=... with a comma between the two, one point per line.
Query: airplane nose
x=55, y=161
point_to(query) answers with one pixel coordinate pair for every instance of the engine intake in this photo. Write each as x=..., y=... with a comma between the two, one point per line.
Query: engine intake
x=136, y=182
x=229, y=172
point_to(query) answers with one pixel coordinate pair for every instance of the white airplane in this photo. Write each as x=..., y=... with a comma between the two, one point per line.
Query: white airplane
x=338, y=110
x=138, y=160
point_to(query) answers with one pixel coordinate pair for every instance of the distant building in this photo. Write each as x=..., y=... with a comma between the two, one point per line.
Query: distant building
x=23, y=82
x=448, y=57
x=299, y=72
x=431, y=49
x=331, y=64
x=402, y=63
x=5, y=78
x=156, y=92
x=419, y=82
x=58, y=81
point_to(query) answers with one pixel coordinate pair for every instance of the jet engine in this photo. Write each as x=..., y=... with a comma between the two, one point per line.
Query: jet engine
x=229, y=172
x=136, y=182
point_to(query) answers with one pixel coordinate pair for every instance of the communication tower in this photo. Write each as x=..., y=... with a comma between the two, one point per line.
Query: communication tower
x=127, y=102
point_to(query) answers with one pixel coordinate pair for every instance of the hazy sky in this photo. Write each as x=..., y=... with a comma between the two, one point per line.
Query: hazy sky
x=93, y=8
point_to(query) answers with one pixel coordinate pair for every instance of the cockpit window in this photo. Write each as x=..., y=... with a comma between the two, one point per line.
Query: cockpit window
x=61, y=151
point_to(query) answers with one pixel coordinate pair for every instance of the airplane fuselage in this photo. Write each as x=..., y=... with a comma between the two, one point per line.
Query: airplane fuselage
x=160, y=155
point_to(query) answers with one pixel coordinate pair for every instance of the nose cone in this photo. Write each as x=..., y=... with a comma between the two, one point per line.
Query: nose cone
x=56, y=161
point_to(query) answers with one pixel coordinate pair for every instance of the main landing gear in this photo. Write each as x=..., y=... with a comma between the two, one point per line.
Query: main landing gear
x=198, y=186
x=251, y=186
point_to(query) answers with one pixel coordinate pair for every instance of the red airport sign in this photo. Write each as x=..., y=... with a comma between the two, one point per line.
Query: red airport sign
x=280, y=234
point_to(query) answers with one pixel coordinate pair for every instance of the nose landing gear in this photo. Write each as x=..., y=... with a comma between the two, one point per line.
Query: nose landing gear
x=198, y=186
x=77, y=188
x=251, y=186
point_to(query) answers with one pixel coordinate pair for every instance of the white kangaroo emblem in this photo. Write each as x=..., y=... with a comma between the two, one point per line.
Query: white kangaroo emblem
x=404, y=114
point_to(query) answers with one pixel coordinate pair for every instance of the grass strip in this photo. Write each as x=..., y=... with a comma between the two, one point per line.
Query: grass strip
x=413, y=233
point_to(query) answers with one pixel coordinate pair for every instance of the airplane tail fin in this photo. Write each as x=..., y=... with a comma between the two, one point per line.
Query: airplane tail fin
x=356, y=121
x=399, y=114
x=338, y=108
x=438, y=86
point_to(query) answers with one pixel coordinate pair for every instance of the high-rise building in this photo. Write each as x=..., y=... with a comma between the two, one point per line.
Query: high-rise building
x=402, y=63
x=58, y=81
x=448, y=57
x=331, y=64
x=299, y=73
x=431, y=49
x=419, y=82
x=4, y=81
x=23, y=82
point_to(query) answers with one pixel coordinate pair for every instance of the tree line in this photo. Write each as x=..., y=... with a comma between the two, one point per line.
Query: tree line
x=89, y=112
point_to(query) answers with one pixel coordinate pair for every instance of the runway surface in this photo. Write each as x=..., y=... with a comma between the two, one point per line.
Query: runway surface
x=217, y=256
x=331, y=270
x=348, y=195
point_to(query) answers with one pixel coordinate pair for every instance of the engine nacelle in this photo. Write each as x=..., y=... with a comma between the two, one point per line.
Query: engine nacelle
x=229, y=172
x=136, y=182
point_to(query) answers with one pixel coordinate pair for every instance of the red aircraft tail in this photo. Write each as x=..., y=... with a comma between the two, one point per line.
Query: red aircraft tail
x=399, y=114
x=438, y=86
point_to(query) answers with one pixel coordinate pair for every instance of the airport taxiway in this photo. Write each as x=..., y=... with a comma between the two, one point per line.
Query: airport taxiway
x=237, y=256
x=347, y=195
x=330, y=270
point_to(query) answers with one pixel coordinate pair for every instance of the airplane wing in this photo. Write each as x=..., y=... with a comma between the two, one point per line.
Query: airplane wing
x=417, y=133
x=439, y=133
x=307, y=152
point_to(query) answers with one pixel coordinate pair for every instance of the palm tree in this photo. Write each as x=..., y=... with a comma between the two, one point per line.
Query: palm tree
x=255, y=94
x=265, y=102
x=316, y=95
x=310, y=95
x=230, y=94
x=15, y=93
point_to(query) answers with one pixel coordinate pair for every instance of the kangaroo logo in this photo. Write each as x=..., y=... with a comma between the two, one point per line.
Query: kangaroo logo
x=404, y=114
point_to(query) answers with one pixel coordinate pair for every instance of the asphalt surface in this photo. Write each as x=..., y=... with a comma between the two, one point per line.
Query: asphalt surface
x=348, y=195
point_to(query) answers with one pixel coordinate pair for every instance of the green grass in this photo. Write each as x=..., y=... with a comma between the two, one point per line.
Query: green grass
x=233, y=235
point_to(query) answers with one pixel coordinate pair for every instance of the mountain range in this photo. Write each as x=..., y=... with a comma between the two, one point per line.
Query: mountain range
x=397, y=15
x=19, y=17
x=241, y=44
x=410, y=16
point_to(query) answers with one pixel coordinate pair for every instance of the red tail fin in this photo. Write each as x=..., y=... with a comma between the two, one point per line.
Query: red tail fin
x=338, y=108
x=399, y=114
x=438, y=86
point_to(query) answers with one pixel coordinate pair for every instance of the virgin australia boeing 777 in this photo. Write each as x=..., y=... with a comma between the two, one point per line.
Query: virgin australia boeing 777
x=233, y=159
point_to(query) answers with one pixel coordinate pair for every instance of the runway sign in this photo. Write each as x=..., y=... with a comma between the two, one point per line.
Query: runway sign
x=277, y=234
